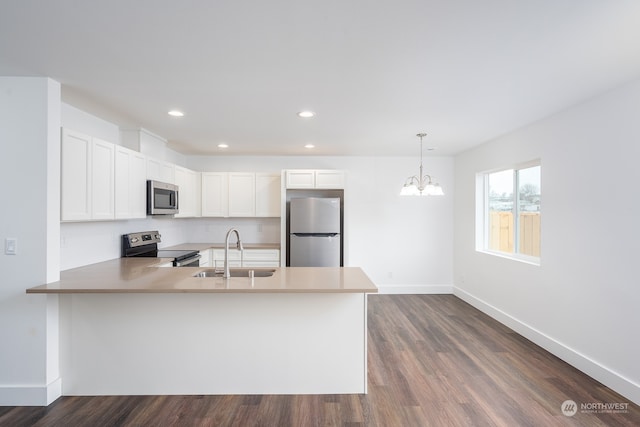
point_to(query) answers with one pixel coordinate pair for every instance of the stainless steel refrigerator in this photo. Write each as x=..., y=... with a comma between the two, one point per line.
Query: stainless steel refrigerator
x=314, y=232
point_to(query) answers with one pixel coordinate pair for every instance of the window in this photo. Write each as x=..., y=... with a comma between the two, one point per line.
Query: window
x=511, y=212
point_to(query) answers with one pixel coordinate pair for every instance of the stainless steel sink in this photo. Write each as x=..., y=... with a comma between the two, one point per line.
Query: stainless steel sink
x=237, y=272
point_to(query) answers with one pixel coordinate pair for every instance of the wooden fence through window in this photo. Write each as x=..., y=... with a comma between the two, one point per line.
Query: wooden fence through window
x=501, y=232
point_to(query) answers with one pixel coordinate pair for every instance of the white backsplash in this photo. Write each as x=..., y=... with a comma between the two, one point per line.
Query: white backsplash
x=252, y=230
x=84, y=243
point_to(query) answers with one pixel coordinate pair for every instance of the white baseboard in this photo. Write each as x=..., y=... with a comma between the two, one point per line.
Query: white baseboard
x=415, y=289
x=606, y=376
x=30, y=395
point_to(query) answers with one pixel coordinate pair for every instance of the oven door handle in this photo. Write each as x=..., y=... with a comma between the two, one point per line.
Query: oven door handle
x=187, y=261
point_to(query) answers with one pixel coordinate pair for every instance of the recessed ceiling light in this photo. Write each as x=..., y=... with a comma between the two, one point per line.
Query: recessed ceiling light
x=176, y=113
x=306, y=114
x=223, y=145
x=309, y=146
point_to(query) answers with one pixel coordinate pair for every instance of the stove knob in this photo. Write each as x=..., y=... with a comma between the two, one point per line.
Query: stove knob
x=134, y=239
x=157, y=236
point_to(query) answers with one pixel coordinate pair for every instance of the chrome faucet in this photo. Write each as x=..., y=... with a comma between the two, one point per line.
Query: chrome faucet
x=226, y=274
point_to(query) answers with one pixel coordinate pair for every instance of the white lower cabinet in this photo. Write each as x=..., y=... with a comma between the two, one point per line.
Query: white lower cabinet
x=252, y=258
x=206, y=258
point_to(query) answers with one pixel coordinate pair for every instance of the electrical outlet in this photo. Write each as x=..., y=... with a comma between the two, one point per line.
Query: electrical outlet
x=10, y=246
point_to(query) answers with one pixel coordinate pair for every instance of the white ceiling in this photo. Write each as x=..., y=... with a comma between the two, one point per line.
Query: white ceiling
x=376, y=72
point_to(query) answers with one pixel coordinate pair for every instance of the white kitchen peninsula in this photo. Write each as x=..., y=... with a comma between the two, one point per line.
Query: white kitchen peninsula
x=129, y=328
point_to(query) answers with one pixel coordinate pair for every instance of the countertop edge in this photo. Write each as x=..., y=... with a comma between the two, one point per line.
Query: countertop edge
x=143, y=276
x=34, y=291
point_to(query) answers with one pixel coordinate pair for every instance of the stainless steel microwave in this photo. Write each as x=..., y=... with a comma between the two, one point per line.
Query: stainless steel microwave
x=162, y=198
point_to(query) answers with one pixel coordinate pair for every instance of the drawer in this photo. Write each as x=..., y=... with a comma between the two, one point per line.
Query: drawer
x=272, y=255
x=218, y=254
x=262, y=255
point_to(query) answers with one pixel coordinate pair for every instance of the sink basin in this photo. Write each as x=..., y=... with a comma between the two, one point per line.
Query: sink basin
x=237, y=272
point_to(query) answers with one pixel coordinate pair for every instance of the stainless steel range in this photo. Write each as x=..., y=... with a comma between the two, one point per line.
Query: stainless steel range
x=145, y=244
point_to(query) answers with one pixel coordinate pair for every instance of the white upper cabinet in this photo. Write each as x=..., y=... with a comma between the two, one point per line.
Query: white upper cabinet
x=87, y=177
x=102, y=179
x=76, y=176
x=188, y=183
x=130, y=184
x=242, y=194
x=312, y=178
x=330, y=179
x=301, y=178
x=131, y=180
x=268, y=188
x=215, y=193
x=159, y=170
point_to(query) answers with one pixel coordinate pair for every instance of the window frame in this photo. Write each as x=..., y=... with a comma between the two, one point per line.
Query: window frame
x=483, y=217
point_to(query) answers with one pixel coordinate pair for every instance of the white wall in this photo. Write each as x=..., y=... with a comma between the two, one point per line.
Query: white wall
x=84, y=243
x=81, y=121
x=30, y=169
x=583, y=301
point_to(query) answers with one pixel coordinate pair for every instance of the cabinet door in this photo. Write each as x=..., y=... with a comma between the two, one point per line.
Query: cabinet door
x=130, y=184
x=186, y=202
x=138, y=185
x=154, y=169
x=261, y=258
x=242, y=194
x=75, y=178
x=206, y=258
x=167, y=173
x=122, y=198
x=214, y=194
x=188, y=192
x=268, y=195
x=102, y=179
x=302, y=178
x=330, y=179
x=159, y=170
x=249, y=258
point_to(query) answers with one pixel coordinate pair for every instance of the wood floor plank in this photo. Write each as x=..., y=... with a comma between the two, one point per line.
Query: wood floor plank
x=433, y=361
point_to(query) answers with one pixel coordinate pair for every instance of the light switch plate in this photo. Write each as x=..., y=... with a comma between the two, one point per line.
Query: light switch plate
x=10, y=246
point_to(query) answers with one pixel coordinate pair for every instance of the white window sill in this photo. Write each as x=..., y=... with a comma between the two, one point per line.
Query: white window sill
x=514, y=257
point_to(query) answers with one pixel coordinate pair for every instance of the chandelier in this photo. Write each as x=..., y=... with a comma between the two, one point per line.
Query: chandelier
x=421, y=185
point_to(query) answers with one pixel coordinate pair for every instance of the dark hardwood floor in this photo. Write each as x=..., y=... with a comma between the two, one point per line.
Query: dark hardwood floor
x=433, y=361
